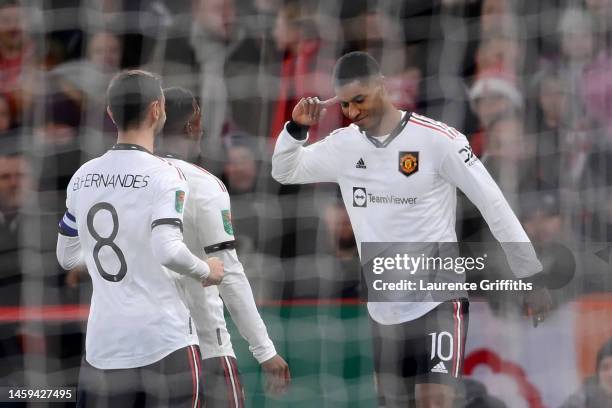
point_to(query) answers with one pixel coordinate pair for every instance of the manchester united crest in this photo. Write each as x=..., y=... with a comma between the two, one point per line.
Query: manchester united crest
x=408, y=163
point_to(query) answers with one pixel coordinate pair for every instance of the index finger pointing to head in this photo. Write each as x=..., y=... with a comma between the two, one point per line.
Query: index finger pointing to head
x=329, y=102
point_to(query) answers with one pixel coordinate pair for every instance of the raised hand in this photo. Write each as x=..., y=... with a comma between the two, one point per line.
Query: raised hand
x=308, y=111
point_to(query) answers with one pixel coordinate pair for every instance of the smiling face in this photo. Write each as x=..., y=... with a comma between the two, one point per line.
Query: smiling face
x=362, y=101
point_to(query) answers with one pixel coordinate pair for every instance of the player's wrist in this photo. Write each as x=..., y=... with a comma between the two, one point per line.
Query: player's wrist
x=265, y=355
x=297, y=130
x=537, y=280
x=203, y=270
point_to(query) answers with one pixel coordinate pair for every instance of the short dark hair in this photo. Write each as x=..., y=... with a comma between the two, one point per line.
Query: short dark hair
x=180, y=106
x=129, y=95
x=353, y=66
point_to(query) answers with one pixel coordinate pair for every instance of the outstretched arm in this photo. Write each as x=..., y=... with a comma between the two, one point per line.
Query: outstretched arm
x=463, y=169
x=238, y=298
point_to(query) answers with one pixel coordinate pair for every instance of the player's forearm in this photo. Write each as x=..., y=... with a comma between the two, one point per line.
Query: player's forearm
x=504, y=225
x=478, y=185
x=68, y=251
x=238, y=298
x=507, y=229
x=286, y=158
x=170, y=251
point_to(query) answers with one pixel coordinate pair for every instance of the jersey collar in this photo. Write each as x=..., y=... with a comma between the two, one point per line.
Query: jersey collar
x=129, y=146
x=170, y=156
x=398, y=129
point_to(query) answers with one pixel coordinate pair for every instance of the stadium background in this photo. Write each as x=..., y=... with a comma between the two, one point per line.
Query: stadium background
x=529, y=83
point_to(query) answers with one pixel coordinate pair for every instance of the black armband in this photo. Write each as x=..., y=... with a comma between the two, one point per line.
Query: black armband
x=297, y=131
x=168, y=221
x=220, y=247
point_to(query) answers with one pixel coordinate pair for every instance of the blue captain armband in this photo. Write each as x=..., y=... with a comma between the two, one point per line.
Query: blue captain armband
x=67, y=225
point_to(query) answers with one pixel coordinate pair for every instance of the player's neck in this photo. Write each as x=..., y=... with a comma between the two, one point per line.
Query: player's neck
x=178, y=146
x=138, y=137
x=391, y=117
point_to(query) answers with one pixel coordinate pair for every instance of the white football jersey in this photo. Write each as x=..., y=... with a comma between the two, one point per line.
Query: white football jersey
x=136, y=316
x=404, y=190
x=208, y=232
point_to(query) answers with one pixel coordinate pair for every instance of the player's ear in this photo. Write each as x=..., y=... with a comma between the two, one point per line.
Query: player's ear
x=110, y=114
x=155, y=109
x=381, y=85
x=375, y=83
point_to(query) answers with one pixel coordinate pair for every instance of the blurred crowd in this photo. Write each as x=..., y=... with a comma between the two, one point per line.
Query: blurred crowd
x=528, y=82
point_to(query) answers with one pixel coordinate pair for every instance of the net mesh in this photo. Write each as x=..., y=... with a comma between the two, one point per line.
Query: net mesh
x=528, y=82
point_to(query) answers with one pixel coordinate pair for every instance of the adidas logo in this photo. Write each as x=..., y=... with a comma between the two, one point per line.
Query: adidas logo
x=439, y=368
x=360, y=164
